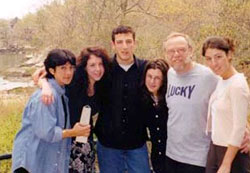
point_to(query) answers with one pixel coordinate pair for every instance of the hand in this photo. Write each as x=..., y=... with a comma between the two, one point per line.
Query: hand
x=47, y=95
x=38, y=74
x=245, y=145
x=81, y=130
x=224, y=169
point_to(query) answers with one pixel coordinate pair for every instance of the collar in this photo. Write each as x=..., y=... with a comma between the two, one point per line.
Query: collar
x=56, y=86
x=136, y=63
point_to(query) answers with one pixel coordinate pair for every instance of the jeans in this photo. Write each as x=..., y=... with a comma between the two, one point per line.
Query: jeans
x=119, y=161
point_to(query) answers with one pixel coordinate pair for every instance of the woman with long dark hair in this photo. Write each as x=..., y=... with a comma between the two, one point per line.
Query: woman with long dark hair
x=90, y=74
x=154, y=86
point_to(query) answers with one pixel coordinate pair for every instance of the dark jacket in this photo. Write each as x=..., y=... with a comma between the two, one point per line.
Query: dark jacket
x=156, y=120
x=120, y=123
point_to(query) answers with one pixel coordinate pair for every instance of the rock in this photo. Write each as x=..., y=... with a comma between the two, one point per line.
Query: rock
x=29, y=56
x=19, y=74
x=32, y=60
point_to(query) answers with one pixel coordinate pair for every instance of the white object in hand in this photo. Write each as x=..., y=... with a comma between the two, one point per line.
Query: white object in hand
x=85, y=118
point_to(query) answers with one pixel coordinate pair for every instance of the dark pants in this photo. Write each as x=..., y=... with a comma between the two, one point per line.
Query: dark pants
x=173, y=166
x=21, y=170
x=241, y=163
x=158, y=164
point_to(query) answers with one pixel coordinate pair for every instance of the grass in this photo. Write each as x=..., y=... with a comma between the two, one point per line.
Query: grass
x=11, y=108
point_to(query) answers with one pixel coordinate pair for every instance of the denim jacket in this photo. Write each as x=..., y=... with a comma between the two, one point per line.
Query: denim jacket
x=38, y=146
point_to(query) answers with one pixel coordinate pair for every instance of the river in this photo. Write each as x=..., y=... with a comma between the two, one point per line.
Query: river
x=8, y=60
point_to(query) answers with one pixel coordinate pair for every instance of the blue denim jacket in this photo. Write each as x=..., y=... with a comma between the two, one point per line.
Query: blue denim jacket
x=38, y=146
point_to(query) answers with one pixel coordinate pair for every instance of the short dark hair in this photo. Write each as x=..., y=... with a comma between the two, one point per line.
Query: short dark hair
x=217, y=42
x=122, y=29
x=57, y=57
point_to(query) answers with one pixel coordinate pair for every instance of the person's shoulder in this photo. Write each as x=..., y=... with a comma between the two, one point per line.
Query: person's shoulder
x=140, y=61
x=205, y=71
x=35, y=97
x=240, y=77
x=208, y=78
x=171, y=70
x=202, y=68
x=239, y=81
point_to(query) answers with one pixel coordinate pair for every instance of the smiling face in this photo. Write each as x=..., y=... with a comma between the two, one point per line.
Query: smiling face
x=94, y=68
x=153, y=80
x=63, y=73
x=178, y=53
x=124, y=45
x=218, y=61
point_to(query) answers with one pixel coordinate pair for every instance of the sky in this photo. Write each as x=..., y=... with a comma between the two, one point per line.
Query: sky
x=18, y=8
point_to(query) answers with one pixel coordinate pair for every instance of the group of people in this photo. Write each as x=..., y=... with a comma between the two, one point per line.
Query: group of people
x=196, y=117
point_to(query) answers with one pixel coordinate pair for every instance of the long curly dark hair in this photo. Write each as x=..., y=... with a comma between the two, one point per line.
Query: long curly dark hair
x=81, y=79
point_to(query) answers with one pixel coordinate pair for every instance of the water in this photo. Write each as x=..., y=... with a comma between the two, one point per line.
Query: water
x=7, y=85
x=8, y=60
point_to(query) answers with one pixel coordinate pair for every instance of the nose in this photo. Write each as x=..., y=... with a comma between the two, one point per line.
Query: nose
x=176, y=52
x=175, y=56
x=98, y=67
x=214, y=62
x=69, y=71
x=152, y=80
x=124, y=44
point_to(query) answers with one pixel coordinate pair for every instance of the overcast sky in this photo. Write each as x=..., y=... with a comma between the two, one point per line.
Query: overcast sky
x=18, y=8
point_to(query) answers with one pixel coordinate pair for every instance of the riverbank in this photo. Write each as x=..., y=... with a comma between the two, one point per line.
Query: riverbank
x=6, y=85
x=17, y=69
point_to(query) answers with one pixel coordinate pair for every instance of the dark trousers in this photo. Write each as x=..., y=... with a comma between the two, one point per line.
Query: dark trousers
x=241, y=163
x=158, y=164
x=21, y=170
x=173, y=166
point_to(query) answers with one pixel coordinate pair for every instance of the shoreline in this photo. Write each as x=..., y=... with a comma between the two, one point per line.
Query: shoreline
x=6, y=85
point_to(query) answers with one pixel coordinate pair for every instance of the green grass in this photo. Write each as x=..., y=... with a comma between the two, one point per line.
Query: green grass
x=9, y=127
x=11, y=108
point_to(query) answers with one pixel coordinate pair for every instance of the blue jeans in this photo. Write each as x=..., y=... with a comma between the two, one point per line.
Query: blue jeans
x=118, y=161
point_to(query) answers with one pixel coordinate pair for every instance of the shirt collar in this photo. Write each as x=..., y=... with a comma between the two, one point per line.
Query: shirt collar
x=56, y=86
x=136, y=63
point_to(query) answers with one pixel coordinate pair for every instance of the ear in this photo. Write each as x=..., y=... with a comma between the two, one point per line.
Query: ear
x=52, y=71
x=135, y=44
x=191, y=50
x=112, y=45
x=230, y=56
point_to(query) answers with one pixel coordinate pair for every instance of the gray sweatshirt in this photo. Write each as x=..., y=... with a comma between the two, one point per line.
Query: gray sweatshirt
x=187, y=99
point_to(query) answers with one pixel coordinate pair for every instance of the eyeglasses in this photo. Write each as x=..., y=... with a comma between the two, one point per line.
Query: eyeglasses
x=180, y=51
